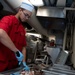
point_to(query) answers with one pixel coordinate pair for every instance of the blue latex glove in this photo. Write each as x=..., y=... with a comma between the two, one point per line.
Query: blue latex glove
x=19, y=56
x=26, y=68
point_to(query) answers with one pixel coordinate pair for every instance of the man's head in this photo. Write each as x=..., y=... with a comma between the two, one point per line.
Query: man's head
x=25, y=10
x=27, y=5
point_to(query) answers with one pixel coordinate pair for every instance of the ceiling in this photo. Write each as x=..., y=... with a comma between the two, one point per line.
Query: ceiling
x=53, y=19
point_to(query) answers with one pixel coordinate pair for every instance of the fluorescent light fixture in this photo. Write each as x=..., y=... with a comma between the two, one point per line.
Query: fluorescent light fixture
x=66, y=52
x=37, y=2
x=52, y=38
x=36, y=35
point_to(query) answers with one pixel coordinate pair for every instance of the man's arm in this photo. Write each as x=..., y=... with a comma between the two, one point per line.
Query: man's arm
x=24, y=60
x=24, y=53
x=5, y=40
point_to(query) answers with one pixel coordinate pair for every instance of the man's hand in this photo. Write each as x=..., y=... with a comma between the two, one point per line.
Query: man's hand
x=26, y=68
x=19, y=56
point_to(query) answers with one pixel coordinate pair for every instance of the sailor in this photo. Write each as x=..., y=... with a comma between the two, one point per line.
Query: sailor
x=12, y=38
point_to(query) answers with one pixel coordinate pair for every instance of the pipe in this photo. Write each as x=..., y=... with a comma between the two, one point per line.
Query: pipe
x=37, y=2
x=33, y=21
x=36, y=24
x=64, y=40
x=73, y=55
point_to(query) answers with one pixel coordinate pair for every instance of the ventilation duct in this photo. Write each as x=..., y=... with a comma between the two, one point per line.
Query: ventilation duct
x=33, y=21
x=37, y=2
x=36, y=24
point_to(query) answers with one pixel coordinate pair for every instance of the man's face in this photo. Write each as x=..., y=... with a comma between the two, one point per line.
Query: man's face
x=25, y=15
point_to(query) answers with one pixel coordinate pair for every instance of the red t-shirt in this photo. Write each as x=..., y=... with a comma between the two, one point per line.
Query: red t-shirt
x=16, y=32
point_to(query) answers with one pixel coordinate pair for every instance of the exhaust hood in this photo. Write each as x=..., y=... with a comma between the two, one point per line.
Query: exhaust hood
x=54, y=12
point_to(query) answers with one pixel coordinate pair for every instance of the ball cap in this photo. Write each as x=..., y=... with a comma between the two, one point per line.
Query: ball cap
x=27, y=5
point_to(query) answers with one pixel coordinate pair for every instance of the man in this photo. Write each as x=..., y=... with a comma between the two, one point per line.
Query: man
x=12, y=38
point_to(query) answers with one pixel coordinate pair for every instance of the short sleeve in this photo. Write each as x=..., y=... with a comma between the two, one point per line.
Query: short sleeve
x=5, y=23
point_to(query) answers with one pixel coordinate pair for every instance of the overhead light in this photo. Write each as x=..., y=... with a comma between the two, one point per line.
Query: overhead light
x=34, y=34
x=37, y=2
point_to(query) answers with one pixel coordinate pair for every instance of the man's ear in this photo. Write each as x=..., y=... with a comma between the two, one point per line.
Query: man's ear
x=20, y=9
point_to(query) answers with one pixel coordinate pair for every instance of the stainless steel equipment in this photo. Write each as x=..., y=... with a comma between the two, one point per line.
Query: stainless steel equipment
x=58, y=70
